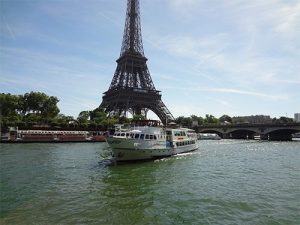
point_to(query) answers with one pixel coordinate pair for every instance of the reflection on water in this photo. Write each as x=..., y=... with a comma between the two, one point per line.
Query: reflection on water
x=224, y=182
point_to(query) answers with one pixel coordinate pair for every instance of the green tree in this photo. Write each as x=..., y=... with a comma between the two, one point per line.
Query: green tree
x=83, y=117
x=179, y=119
x=184, y=121
x=32, y=118
x=283, y=120
x=225, y=118
x=49, y=107
x=35, y=102
x=8, y=105
x=109, y=121
x=197, y=119
x=137, y=118
x=210, y=119
x=123, y=120
x=98, y=112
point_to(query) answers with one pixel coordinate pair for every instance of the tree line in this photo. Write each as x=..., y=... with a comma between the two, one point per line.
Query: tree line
x=195, y=121
x=36, y=109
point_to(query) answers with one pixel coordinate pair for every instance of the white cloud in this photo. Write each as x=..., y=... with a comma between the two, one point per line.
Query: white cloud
x=260, y=95
x=183, y=4
x=251, y=52
x=250, y=93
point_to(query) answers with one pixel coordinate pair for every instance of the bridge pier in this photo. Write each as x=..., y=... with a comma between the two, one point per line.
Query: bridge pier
x=225, y=136
x=264, y=137
x=242, y=134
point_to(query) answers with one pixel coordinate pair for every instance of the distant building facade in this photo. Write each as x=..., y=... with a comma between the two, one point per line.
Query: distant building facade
x=297, y=117
x=252, y=119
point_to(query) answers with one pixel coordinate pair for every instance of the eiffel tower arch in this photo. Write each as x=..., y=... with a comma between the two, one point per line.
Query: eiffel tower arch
x=132, y=89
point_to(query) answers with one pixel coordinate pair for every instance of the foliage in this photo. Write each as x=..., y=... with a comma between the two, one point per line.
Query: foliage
x=282, y=120
x=225, y=119
x=210, y=119
x=137, y=118
x=28, y=109
x=39, y=109
x=9, y=105
x=83, y=117
x=194, y=121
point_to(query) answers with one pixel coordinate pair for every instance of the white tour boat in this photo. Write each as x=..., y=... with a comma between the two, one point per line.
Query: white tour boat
x=148, y=142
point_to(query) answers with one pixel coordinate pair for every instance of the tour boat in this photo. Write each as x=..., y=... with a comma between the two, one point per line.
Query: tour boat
x=147, y=142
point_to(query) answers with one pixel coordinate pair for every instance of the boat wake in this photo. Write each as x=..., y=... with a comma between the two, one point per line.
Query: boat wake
x=185, y=154
x=177, y=156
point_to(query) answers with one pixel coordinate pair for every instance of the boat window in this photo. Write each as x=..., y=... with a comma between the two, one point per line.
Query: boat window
x=142, y=136
x=151, y=137
x=177, y=133
x=147, y=137
x=122, y=134
x=127, y=134
x=136, y=136
x=155, y=138
x=169, y=132
x=131, y=135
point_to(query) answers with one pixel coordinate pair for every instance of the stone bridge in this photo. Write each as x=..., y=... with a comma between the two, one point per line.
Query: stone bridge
x=282, y=132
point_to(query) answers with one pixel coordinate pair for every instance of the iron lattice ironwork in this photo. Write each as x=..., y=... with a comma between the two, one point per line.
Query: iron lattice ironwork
x=132, y=89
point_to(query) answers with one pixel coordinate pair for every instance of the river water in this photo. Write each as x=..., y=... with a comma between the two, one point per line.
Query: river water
x=224, y=182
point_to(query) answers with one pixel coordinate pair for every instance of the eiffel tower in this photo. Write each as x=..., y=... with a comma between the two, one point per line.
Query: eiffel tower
x=132, y=89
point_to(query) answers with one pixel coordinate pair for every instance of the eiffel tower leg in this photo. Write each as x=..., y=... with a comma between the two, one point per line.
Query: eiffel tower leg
x=162, y=112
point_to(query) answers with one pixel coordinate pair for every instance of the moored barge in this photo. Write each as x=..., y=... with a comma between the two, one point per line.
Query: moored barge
x=49, y=136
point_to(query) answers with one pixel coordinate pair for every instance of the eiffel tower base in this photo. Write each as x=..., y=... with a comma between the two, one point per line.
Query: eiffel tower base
x=136, y=101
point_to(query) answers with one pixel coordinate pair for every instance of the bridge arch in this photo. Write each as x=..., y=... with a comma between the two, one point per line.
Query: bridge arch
x=281, y=134
x=212, y=131
x=242, y=133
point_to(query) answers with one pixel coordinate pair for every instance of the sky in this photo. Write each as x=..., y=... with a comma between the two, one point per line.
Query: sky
x=216, y=57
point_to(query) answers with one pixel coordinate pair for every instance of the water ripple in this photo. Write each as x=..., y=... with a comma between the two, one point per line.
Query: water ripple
x=224, y=182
